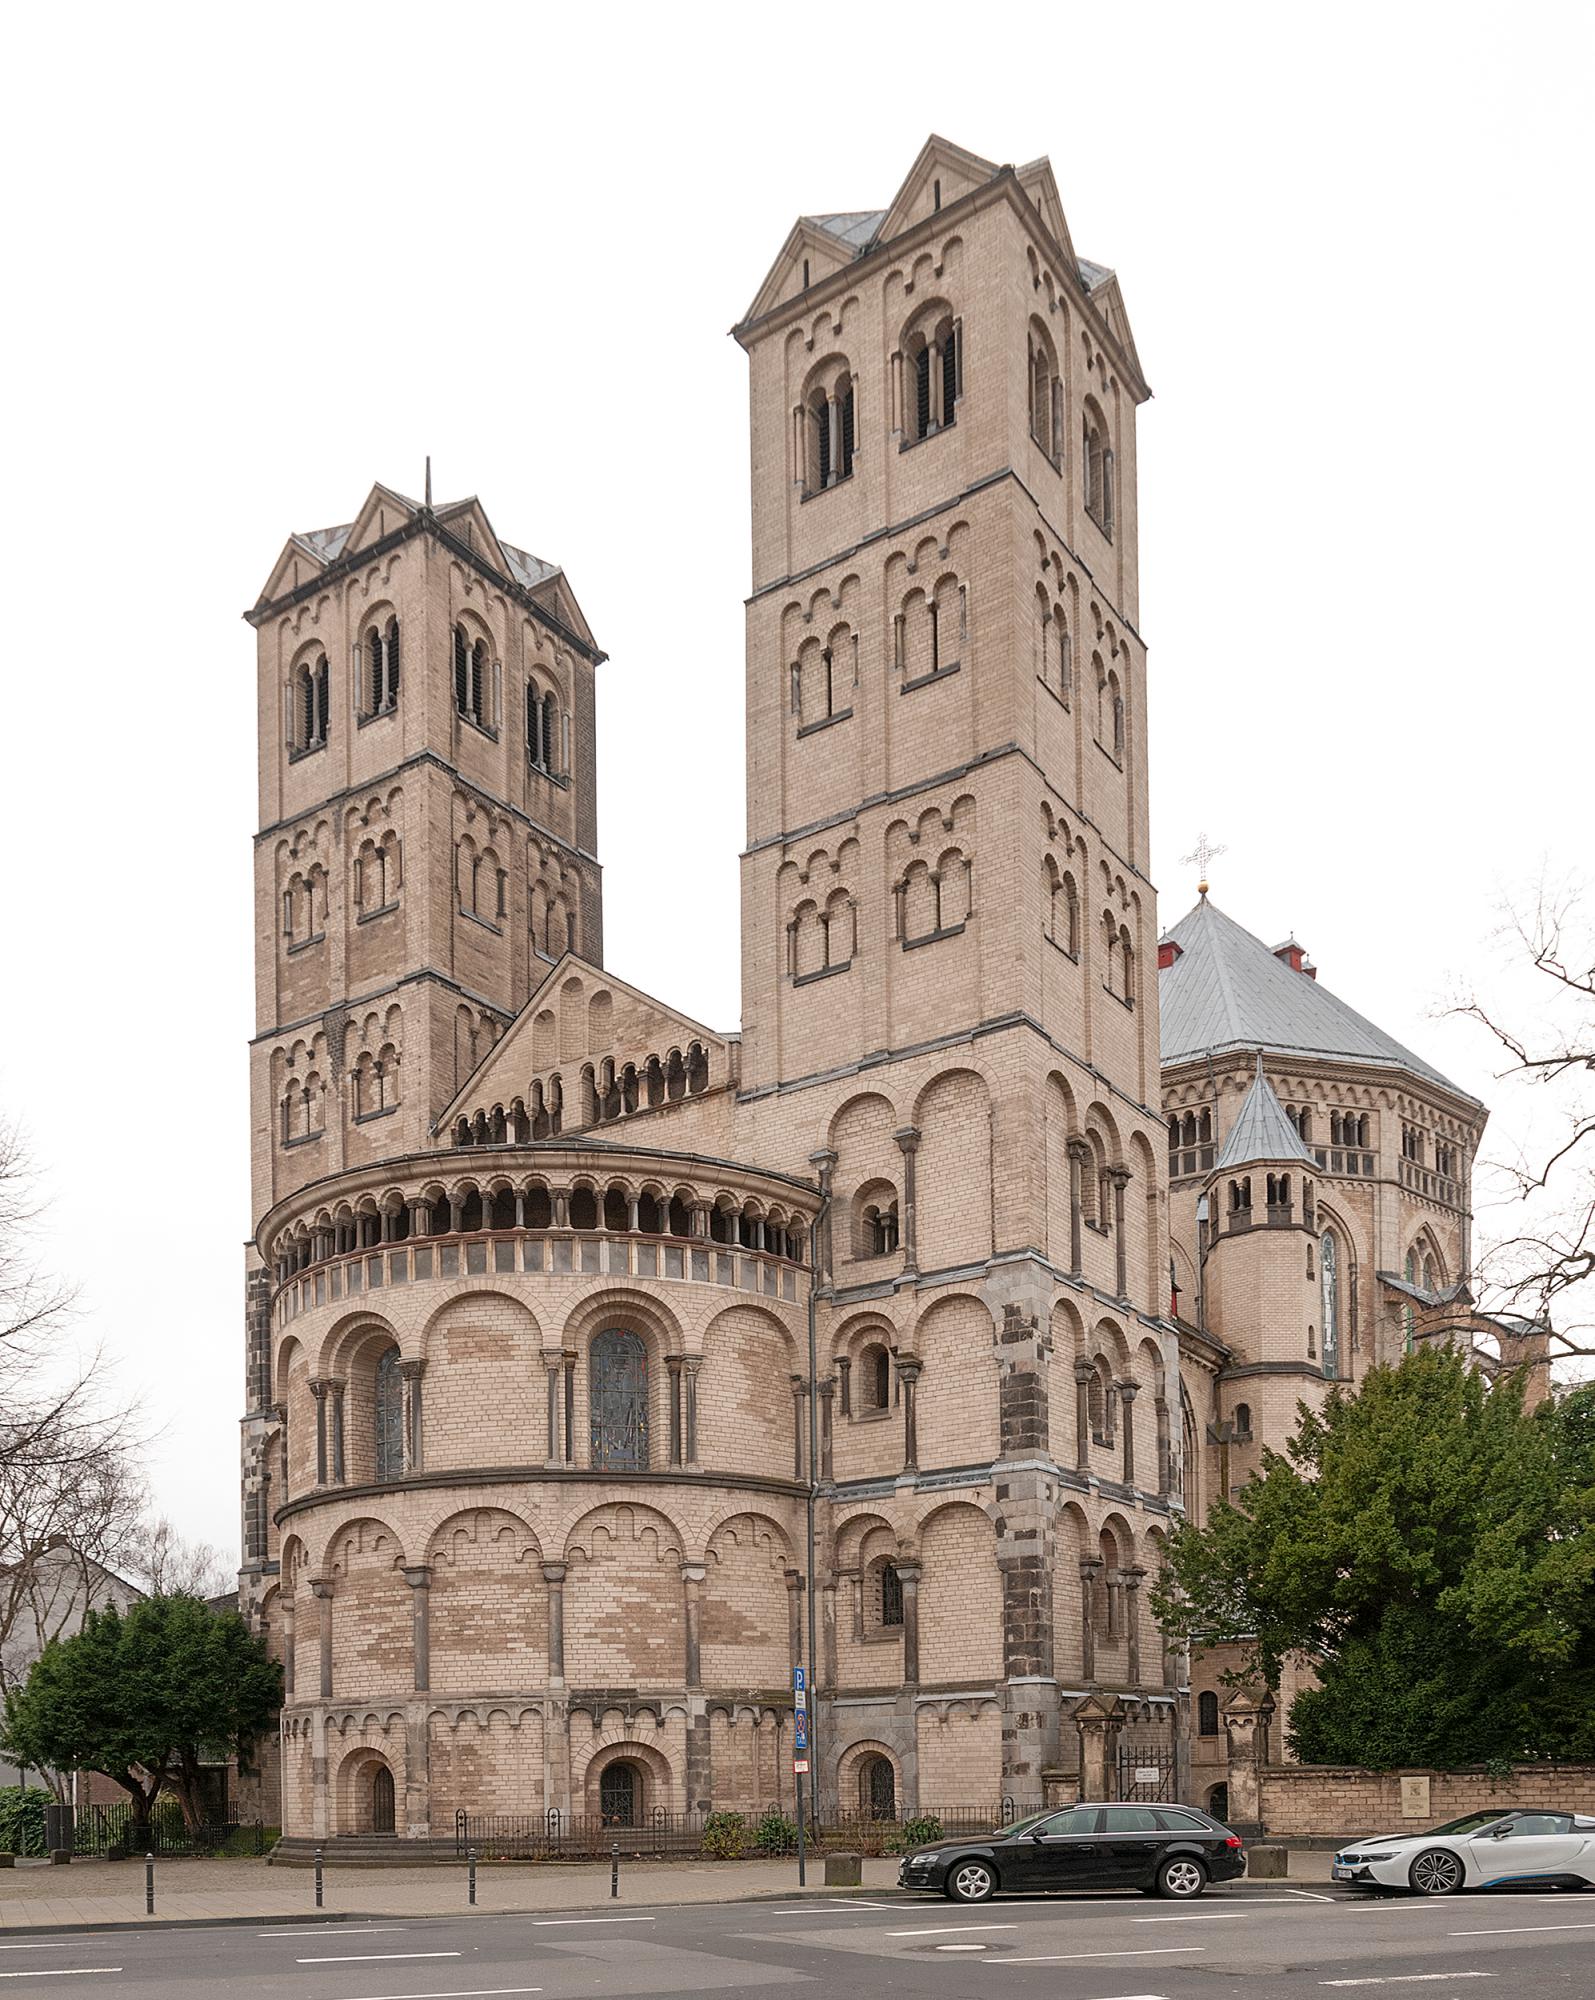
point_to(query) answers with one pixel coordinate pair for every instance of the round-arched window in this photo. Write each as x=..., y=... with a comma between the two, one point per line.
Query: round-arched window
x=1329, y=1288
x=618, y=1401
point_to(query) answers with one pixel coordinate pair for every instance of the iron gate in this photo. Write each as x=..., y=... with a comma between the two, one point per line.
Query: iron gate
x=1145, y=1771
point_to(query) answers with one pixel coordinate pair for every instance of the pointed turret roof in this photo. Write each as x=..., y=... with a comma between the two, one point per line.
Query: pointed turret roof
x=1262, y=1131
x=1226, y=990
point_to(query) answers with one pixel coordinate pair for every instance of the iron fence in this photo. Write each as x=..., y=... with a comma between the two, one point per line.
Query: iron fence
x=556, y=1836
x=112, y=1832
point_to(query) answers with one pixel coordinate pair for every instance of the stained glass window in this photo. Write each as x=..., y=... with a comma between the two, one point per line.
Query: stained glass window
x=618, y=1400
x=1329, y=1281
x=389, y=1404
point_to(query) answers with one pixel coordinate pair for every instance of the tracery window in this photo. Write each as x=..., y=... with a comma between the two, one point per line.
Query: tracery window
x=618, y=1401
x=388, y=1410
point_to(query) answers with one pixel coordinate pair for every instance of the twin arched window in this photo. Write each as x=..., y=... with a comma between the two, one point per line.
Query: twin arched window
x=309, y=698
x=617, y=1390
x=379, y=664
x=543, y=744
x=476, y=688
x=934, y=356
x=829, y=432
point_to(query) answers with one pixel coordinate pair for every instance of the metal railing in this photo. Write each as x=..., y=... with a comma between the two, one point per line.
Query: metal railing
x=111, y=1832
x=561, y=1836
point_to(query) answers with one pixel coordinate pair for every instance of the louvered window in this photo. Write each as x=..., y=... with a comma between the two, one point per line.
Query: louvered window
x=922, y=393
x=377, y=680
x=323, y=696
x=462, y=672
x=891, y=1595
x=847, y=434
x=307, y=709
x=534, y=724
x=549, y=715
x=822, y=425
x=949, y=376
x=478, y=679
x=393, y=663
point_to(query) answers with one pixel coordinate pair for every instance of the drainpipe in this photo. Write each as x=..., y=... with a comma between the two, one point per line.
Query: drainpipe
x=818, y=1229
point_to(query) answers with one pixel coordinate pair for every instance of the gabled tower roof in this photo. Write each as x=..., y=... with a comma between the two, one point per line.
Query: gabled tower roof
x=1226, y=990
x=1262, y=1131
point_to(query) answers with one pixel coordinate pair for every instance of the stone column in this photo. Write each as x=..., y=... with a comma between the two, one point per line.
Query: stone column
x=1090, y=1574
x=673, y=1368
x=1244, y=1723
x=419, y=1578
x=828, y=1630
x=335, y=1390
x=908, y=1144
x=287, y=1648
x=1130, y=1579
x=799, y=1387
x=909, y=1367
x=410, y=1373
x=417, y=1774
x=568, y=1416
x=553, y=1368
x=320, y=1825
x=824, y=1165
x=691, y=1363
x=1120, y=1177
x=692, y=1576
x=1128, y=1391
x=554, y=1577
x=1161, y=1411
x=827, y=1391
x=1083, y=1371
x=1098, y=1721
x=1079, y=1154
x=318, y=1389
x=908, y=1575
x=321, y=1591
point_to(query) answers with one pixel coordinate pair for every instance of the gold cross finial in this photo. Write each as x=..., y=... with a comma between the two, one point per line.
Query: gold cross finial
x=1199, y=858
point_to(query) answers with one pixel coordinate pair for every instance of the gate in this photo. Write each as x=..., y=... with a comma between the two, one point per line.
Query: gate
x=1145, y=1771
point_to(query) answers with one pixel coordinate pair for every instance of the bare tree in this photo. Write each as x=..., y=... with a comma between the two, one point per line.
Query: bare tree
x=166, y=1563
x=1541, y=1265
x=71, y=1485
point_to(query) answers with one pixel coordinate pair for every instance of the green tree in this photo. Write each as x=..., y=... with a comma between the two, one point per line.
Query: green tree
x=1430, y=1547
x=145, y=1697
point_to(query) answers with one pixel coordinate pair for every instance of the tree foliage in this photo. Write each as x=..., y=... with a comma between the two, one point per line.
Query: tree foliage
x=146, y=1697
x=1429, y=1546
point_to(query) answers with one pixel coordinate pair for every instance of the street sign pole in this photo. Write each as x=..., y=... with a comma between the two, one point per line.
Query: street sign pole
x=800, y=1760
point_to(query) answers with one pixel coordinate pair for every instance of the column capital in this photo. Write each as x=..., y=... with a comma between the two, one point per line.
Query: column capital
x=827, y=1388
x=321, y=1586
x=1119, y=1176
x=418, y=1576
x=280, y=1412
x=1091, y=1568
x=1132, y=1576
x=908, y=1138
x=908, y=1574
x=909, y=1366
x=673, y=1363
x=1083, y=1371
x=554, y=1572
x=319, y=1385
x=1079, y=1151
x=692, y=1363
x=694, y=1572
x=412, y=1367
x=794, y=1579
x=1128, y=1390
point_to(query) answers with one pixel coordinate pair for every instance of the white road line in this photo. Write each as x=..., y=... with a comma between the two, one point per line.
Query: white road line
x=960, y=1947
x=542, y=1923
x=455, y=1993
x=344, y=1930
x=1406, y=1978
x=1312, y=1896
x=1204, y=1917
x=1062, y=1957
x=60, y=1972
x=946, y=1930
x=366, y=1957
x=1522, y=1930
x=64, y=1945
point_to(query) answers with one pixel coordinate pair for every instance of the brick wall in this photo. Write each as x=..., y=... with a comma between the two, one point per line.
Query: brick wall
x=1303, y=1801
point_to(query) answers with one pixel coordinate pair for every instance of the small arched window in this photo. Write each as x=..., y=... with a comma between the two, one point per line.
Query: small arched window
x=1329, y=1300
x=1097, y=454
x=934, y=364
x=1207, y=1713
x=618, y=1400
x=1243, y=1423
x=880, y=1230
x=388, y=1415
x=309, y=697
x=380, y=663
x=829, y=427
x=891, y=1599
x=473, y=669
x=875, y=1378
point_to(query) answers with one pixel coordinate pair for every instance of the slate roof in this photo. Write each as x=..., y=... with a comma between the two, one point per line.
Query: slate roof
x=1226, y=990
x=327, y=544
x=854, y=227
x=1262, y=1131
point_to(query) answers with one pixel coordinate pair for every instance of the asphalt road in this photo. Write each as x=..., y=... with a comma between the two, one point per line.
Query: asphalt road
x=1246, y=1940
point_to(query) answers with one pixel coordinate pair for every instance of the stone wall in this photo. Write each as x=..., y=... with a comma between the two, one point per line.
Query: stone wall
x=1301, y=1801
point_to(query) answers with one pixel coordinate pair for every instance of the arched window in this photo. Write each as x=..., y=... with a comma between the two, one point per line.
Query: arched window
x=380, y=661
x=473, y=669
x=880, y=1227
x=829, y=429
x=388, y=1415
x=934, y=375
x=619, y=1794
x=1207, y=1713
x=1126, y=967
x=1097, y=454
x=877, y=1789
x=1329, y=1300
x=1243, y=1422
x=309, y=696
x=1046, y=394
x=891, y=1604
x=618, y=1399
x=875, y=1378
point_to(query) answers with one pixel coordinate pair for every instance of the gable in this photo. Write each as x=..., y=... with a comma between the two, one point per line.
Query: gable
x=559, y=600
x=1109, y=301
x=579, y=1017
x=383, y=511
x=1042, y=191
x=467, y=521
x=959, y=173
x=297, y=564
x=823, y=253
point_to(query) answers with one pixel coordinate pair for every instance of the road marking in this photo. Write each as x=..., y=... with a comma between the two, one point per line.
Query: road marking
x=1521, y=1930
x=60, y=1972
x=64, y=1945
x=946, y=1930
x=456, y=1993
x=365, y=1957
x=1406, y=1978
x=542, y=1923
x=960, y=1947
x=1061, y=1957
x=1204, y=1917
x=344, y=1930
x=1313, y=1896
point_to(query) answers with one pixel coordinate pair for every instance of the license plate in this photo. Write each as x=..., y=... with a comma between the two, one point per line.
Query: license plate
x=1341, y=1874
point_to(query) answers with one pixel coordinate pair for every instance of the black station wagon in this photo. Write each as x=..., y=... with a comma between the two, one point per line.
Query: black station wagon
x=1160, y=1850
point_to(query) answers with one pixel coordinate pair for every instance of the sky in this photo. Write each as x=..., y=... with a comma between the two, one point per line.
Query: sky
x=260, y=258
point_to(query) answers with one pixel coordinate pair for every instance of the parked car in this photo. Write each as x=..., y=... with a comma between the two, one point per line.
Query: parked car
x=1160, y=1850
x=1524, y=1844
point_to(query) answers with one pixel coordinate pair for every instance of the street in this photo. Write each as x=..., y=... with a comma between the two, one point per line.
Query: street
x=1251, y=1940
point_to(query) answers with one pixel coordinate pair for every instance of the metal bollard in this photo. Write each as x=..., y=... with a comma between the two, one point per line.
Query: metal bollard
x=614, y=1868
x=149, y=1885
x=470, y=1855
x=318, y=1878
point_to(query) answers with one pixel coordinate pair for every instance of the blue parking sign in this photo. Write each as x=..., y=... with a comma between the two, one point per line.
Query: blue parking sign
x=800, y=1732
x=800, y=1680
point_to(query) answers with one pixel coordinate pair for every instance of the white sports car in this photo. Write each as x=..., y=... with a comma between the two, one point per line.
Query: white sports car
x=1478, y=1852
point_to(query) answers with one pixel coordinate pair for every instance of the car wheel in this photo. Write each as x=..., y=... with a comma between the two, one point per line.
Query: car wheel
x=971, y=1882
x=1181, y=1877
x=1436, y=1872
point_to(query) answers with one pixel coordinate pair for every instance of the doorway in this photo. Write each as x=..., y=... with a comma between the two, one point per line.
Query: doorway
x=619, y=1794
x=382, y=1815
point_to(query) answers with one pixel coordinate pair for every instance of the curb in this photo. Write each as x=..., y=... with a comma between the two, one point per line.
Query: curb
x=186, y=1924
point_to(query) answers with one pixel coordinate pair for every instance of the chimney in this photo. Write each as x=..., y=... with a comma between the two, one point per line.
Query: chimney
x=1167, y=952
x=1295, y=956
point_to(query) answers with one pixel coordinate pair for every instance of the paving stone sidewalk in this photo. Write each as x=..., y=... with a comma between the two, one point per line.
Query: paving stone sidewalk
x=112, y=1892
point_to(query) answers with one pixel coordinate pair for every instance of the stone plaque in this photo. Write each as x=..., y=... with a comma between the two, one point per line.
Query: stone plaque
x=1414, y=1798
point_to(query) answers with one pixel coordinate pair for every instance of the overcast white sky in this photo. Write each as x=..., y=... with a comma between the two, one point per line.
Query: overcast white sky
x=260, y=258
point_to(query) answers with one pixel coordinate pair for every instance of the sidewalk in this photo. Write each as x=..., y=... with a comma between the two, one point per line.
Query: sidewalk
x=112, y=1892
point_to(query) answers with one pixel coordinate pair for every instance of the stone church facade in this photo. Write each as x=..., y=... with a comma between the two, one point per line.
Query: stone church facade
x=532, y=1430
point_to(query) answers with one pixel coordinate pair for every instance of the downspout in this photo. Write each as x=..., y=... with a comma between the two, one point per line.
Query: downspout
x=818, y=1235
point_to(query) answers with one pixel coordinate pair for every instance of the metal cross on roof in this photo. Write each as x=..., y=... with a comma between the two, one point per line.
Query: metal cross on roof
x=1199, y=857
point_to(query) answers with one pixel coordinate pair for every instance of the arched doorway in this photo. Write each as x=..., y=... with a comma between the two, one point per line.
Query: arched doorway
x=877, y=1788
x=1218, y=1803
x=382, y=1818
x=620, y=1793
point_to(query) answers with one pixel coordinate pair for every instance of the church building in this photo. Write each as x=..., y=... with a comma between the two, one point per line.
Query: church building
x=566, y=1312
